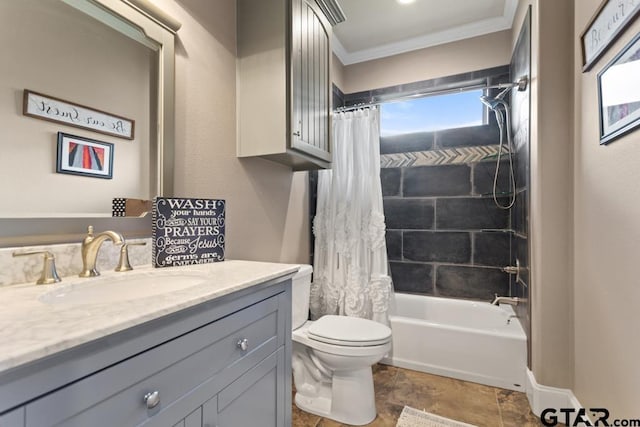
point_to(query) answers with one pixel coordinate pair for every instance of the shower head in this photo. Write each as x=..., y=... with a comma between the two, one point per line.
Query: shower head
x=496, y=101
x=492, y=103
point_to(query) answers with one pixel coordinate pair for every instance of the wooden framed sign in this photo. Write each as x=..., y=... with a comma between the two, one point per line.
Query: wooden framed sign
x=608, y=23
x=47, y=107
x=187, y=231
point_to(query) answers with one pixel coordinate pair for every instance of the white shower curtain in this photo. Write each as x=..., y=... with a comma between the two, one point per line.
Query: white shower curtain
x=350, y=256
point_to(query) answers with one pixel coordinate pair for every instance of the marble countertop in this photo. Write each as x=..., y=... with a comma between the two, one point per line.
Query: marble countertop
x=33, y=325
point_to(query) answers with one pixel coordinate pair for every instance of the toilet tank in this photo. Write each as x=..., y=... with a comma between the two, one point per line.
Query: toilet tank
x=300, y=287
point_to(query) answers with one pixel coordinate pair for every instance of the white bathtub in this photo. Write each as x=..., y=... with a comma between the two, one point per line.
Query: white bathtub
x=468, y=340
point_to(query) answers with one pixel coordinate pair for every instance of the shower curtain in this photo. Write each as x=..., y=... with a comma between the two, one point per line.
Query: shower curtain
x=350, y=255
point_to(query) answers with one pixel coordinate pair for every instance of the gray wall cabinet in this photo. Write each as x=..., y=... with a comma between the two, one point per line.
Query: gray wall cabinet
x=223, y=363
x=284, y=82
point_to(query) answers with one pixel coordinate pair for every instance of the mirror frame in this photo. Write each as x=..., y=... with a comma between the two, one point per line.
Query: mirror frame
x=160, y=30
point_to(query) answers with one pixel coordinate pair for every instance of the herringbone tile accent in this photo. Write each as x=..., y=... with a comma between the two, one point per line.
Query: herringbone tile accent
x=450, y=156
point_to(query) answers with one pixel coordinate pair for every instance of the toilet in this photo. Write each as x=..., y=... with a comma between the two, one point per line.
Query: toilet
x=332, y=359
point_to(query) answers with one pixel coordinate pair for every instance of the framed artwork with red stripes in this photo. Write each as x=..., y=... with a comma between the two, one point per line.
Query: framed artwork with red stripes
x=83, y=156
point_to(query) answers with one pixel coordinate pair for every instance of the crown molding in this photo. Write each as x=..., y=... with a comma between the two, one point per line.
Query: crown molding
x=475, y=29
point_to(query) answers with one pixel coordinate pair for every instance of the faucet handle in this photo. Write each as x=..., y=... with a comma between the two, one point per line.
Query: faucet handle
x=49, y=274
x=123, y=263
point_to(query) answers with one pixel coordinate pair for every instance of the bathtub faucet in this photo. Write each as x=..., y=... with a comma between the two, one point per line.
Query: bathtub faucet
x=505, y=300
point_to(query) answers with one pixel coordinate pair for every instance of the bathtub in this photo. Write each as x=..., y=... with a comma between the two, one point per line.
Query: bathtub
x=467, y=340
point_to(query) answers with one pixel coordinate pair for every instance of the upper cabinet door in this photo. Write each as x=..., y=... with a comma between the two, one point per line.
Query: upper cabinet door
x=310, y=80
x=284, y=82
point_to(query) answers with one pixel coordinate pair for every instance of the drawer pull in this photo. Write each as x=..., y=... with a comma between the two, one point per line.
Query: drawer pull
x=152, y=399
x=243, y=344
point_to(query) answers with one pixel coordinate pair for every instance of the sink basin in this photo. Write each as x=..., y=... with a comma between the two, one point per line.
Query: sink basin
x=121, y=287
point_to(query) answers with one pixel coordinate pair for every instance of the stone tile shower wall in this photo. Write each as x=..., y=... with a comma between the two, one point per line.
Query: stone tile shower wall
x=521, y=107
x=445, y=235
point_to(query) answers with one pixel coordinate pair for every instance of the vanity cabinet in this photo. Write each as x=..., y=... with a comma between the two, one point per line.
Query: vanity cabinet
x=226, y=362
x=284, y=83
x=14, y=418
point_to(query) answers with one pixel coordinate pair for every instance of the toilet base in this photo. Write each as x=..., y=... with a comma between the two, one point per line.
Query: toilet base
x=352, y=398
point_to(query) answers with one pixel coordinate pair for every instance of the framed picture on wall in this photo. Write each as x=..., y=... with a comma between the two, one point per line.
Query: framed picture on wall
x=84, y=156
x=606, y=25
x=619, y=93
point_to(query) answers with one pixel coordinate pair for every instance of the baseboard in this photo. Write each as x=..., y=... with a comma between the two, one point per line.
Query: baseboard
x=542, y=397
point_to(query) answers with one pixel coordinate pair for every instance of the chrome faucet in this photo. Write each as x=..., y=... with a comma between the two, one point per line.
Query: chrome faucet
x=505, y=300
x=91, y=245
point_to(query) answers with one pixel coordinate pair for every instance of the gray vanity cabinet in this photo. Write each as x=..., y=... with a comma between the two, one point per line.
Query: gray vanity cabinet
x=255, y=399
x=14, y=418
x=222, y=363
x=284, y=82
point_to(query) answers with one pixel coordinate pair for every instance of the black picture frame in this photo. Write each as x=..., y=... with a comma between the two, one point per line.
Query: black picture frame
x=83, y=156
x=618, y=118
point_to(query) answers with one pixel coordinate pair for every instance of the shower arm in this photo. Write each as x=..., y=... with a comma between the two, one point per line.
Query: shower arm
x=521, y=84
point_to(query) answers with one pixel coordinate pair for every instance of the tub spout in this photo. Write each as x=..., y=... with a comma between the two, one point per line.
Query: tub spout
x=505, y=300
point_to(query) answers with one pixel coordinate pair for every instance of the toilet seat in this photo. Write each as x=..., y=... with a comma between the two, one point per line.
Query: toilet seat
x=349, y=331
x=301, y=335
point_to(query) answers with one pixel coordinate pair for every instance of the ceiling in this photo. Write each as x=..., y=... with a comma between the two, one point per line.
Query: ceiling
x=378, y=28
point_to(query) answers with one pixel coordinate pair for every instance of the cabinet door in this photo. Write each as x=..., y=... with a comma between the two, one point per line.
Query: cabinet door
x=205, y=416
x=14, y=418
x=258, y=397
x=310, y=80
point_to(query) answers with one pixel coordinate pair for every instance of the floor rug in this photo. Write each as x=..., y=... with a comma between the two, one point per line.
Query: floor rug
x=411, y=417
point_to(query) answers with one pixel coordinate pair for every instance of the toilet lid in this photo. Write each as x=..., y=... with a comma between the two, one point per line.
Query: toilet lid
x=349, y=331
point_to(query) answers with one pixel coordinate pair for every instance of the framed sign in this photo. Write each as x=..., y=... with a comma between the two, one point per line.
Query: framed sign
x=187, y=231
x=609, y=21
x=47, y=107
x=84, y=156
x=619, y=93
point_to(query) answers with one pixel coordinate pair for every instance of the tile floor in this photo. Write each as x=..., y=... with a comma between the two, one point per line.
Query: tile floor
x=463, y=401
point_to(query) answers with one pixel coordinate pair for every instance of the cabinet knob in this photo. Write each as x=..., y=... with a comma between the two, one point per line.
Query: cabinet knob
x=152, y=399
x=243, y=344
x=297, y=133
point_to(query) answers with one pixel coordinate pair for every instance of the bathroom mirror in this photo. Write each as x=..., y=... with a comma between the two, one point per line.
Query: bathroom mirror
x=114, y=56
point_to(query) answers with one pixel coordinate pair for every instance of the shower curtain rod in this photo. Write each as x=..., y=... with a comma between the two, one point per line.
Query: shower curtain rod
x=520, y=84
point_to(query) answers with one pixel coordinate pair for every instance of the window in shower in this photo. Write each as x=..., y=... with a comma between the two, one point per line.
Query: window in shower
x=431, y=113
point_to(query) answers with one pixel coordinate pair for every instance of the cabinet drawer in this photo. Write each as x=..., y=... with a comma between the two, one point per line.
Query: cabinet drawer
x=115, y=395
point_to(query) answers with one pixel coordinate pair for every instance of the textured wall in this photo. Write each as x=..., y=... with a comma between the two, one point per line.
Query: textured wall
x=551, y=225
x=606, y=211
x=266, y=213
x=429, y=63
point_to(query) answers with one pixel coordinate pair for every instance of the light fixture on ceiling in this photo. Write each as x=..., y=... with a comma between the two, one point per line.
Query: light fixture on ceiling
x=405, y=1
